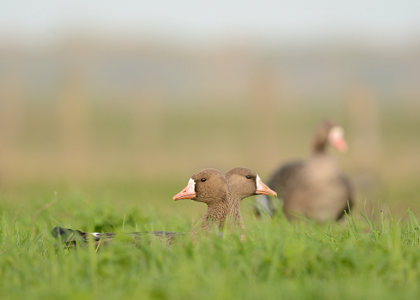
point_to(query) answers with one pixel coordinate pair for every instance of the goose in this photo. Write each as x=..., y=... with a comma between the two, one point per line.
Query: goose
x=222, y=195
x=315, y=188
x=70, y=237
x=244, y=182
x=208, y=186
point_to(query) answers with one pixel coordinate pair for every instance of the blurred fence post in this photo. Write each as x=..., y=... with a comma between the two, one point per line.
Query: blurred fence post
x=365, y=128
x=73, y=117
x=147, y=113
x=262, y=113
x=11, y=120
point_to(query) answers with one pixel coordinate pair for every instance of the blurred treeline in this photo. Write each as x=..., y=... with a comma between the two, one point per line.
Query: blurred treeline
x=99, y=109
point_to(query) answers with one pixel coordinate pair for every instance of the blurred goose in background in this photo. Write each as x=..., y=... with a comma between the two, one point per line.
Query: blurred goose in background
x=315, y=188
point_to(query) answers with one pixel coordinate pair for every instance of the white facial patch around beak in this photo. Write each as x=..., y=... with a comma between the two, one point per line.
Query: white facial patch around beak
x=336, y=138
x=188, y=192
x=336, y=133
x=259, y=183
x=263, y=189
x=191, y=186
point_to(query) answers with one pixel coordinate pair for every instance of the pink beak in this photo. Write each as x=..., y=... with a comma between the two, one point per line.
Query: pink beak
x=188, y=192
x=336, y=139
x=340, y=144
x=263, y=189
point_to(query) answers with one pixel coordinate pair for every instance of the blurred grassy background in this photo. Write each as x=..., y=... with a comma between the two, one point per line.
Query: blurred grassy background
x=88, y=110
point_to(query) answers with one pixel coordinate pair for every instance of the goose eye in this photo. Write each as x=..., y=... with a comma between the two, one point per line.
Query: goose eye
x=248, y=176
x=203, y=179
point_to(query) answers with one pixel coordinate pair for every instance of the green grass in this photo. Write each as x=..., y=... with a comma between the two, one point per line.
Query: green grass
x=371, y=257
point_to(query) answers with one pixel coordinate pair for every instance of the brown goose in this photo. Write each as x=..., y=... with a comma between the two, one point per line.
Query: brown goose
x=315, y=188
x=210, y=187
x=244, y=182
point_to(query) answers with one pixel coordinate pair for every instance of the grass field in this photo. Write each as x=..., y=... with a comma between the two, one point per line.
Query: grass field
x=119, y=171
x=371, y=257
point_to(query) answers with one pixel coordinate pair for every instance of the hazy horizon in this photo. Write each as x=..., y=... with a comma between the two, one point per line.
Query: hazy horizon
x=391, y=22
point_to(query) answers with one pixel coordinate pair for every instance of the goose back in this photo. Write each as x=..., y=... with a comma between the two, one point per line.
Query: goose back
x=314, y=188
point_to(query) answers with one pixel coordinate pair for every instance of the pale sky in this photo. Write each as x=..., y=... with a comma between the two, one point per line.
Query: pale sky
x=384, y=19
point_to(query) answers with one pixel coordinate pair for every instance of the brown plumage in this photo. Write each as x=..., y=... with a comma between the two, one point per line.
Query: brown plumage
x=210, y=187
x=244, y=182
x=223, y=194
x=314, y=188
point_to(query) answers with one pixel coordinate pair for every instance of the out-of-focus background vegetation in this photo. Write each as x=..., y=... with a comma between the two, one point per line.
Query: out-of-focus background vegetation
x=84, y=101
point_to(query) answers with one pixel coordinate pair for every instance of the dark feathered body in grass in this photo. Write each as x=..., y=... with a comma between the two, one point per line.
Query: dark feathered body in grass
x=315, y=188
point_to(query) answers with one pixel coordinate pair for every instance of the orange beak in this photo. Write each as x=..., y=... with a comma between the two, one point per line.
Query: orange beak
x=263, y=189
x=188, y=192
